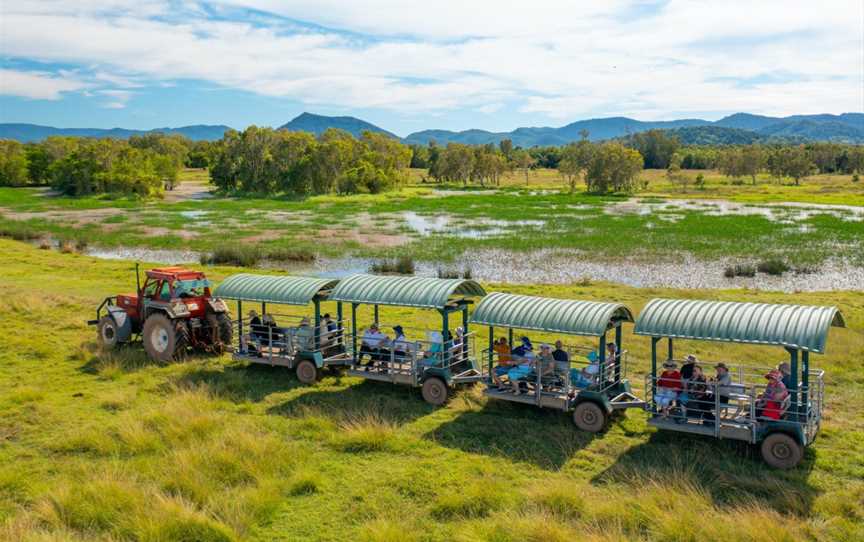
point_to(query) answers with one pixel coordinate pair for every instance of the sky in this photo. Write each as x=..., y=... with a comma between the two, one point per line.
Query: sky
x=408, y=66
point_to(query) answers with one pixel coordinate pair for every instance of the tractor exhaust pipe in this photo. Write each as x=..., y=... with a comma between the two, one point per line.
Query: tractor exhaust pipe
x=137, y=279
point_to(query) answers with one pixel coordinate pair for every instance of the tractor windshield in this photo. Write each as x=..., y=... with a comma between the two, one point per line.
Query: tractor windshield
x=191, y=288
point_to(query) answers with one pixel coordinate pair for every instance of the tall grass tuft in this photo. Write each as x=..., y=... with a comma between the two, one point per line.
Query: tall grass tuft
x=364, y=434
x=251, y=256
x=475, y=500
x=739, y=270
x=773, y=266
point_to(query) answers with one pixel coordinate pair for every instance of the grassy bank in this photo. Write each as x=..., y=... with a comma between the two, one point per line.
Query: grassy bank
x=429, y=223
x=99, y=447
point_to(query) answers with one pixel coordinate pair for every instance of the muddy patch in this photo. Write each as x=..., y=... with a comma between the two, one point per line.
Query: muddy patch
x=74, y=219
x=152, y=231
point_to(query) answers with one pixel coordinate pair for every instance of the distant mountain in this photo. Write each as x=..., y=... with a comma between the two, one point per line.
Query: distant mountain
x=34, y=132
x=848, y=127
x=317, y=124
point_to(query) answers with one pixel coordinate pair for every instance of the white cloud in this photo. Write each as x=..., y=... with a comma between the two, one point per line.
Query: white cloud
x=36, y=84
x=558, y=58
x=116, y=98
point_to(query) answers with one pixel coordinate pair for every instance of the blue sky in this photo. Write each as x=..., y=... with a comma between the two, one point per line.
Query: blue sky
x=408, y=66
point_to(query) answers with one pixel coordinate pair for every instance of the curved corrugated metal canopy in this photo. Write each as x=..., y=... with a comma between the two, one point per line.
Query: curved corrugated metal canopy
x=403, y=291
x=547, y=314
x=273, y=289
x=794, y=326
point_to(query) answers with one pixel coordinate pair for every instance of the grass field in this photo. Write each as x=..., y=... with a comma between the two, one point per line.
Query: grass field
x=112, y=447
x=513, y=217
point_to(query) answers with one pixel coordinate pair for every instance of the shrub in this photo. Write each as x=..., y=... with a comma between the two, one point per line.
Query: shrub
x=250, y=256
x=443, y=273
x=773, y=266
x=739, y=270
x=403, y=265
x=856, y=178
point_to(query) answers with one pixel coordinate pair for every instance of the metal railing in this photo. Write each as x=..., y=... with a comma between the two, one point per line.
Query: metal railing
x=412, y=358
x=560, y=380
x=275, y=341
x=745, y=402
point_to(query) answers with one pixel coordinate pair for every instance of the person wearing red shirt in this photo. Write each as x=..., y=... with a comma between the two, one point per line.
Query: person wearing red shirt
x=668, y=387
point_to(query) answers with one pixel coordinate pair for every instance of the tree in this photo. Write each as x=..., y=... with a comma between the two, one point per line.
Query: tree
x=674, y=174
x=655, y=146
x=523, y=161
x=752, y=161
x=797, y=164
x=613, y=167
x=13, y=163
x=575, y=159
x=506, y=147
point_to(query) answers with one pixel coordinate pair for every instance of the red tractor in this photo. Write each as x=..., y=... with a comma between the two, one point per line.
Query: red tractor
x=172, y=312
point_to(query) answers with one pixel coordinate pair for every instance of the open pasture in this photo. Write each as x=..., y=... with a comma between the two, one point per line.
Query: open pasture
x=114, y=447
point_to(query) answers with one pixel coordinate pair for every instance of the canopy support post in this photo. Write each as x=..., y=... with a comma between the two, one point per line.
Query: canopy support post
x=618, y=333
x=339, y=317
x=445, y=324
x=671, y=350
x=602, y=361
x=317, y=333
x=491, y=348
x=793, y=379
x=465, y=332
x=805, y=382
x=263, y=308
x=376, y=316
x=354, y=355
x=654, y=341
x=510, y=337
x=240, y=321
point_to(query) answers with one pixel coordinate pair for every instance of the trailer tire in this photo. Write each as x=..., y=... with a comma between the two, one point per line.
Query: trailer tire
x=307, y=372
x=435, y=391
x=163, y=339
x=588, y=416
x=107, y=333
x=781, y=451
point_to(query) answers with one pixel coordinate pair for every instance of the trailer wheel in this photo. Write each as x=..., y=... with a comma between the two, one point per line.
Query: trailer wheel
x=307, y=372
x=435, y=391
x=588, y=416
x=107, y=331
x=781, y=451
x=161, y=339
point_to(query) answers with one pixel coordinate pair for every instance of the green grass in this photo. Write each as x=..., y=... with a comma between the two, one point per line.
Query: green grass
x=98, y=446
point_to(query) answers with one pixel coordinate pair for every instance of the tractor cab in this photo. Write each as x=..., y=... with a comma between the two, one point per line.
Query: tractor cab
x=175, y=289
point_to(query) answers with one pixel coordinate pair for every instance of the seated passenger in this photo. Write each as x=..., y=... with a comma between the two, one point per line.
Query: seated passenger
x=524, y=350
x=687, y=368
x=371, y=344
x=721, y=386
x=401, y=346
x=562, y=359
x=545, y=362
x=587, y=376
x=433, y=354
x=668, y=387
x=770, y=403
x=697, y=394
x=786, y=371
x=305, y=336
x=519, y=372
x=505, y=362
x=256, y=333
x=613, y=358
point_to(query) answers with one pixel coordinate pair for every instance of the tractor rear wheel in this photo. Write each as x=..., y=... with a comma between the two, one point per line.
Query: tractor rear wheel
x=164, y=340
x=781, y=451
x=307, y=372
x=107, y=330
x=220, y=325
x=588, y=416
x=435, y=391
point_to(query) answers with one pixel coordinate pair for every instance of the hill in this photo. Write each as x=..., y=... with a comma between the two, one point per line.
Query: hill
x=719, y=135
x=317, y=124
x=33, y=132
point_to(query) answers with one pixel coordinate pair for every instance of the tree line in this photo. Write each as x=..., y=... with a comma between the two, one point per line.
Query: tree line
x=268, y=161
x=76, y=166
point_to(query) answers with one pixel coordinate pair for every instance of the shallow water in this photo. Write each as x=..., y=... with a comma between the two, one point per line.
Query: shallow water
x=475, y=228
x=555, y=267
x=784, y=213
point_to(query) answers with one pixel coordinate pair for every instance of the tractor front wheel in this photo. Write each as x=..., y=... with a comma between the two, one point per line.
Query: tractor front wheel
x=588, y=416
x=162, y=341
x=107, y=330
x=781, y=451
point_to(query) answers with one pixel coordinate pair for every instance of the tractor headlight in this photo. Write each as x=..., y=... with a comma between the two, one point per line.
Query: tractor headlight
x=192, y=306
x=179, y=307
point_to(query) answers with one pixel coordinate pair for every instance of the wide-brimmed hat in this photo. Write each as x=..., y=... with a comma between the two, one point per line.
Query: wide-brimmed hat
x=592, y=357
x=691, y=357
x=784, y=368
x=721, y=365
x=545, y=346
x=774, y=374
x=670, y=364
x=252, y=313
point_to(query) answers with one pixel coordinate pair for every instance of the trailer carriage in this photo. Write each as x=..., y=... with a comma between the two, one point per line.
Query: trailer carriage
x=800, y=330
x=592, y=405
x=437, y=366
x=308, y=349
